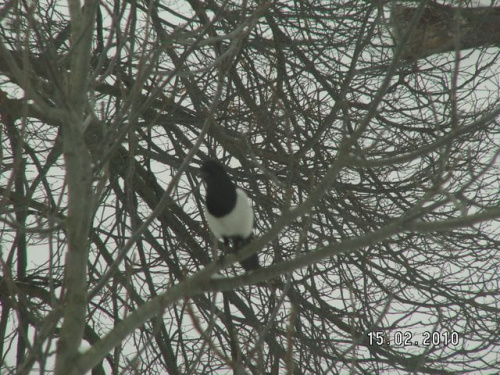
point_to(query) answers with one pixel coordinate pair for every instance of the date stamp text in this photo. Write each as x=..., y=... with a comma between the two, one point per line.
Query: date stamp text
x=407, y=338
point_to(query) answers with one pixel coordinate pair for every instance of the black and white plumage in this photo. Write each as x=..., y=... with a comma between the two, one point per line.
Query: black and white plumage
x=227, y=210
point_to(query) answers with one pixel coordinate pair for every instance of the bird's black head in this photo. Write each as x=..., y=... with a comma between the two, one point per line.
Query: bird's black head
x=212, y=171
x=221, y=192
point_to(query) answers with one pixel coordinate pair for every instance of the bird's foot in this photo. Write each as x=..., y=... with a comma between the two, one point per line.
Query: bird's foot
x=221, y=260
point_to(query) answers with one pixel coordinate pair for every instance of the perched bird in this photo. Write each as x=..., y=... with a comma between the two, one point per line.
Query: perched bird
x=228, y=211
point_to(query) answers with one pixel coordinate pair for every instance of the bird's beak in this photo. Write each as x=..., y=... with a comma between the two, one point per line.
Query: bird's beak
x=203, y=174
x=197, y=171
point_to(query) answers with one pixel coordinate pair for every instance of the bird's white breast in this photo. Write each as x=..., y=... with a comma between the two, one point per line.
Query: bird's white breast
x=239, y=222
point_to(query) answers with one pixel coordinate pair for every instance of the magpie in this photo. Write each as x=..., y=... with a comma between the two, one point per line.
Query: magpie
x=228, y=211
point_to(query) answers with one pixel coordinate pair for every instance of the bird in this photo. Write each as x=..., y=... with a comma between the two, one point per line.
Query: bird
x=228, y=211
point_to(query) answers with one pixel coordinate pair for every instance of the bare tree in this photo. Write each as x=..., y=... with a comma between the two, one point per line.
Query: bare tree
x=374, y=181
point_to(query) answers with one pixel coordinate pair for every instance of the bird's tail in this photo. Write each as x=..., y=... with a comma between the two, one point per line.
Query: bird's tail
x=252, y=262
